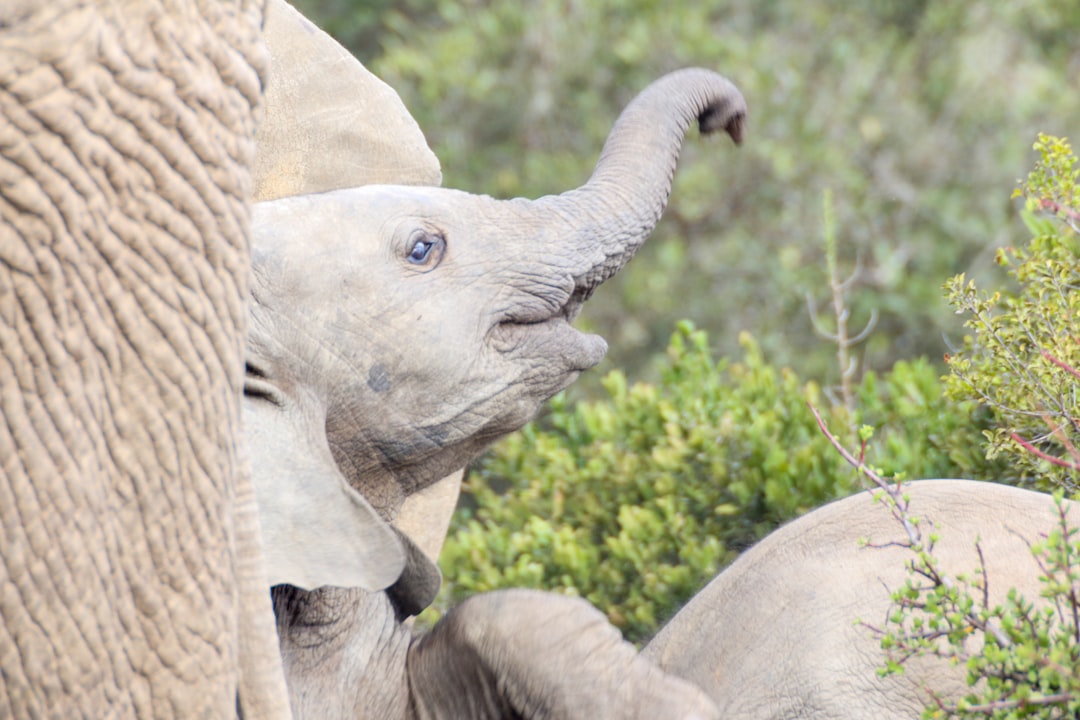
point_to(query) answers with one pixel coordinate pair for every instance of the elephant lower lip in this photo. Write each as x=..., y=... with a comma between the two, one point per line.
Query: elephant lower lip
x=553, y=340
x=592, y=348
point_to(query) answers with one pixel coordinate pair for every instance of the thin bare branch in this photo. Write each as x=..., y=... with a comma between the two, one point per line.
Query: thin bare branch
x=820, y=330
x=865, y=332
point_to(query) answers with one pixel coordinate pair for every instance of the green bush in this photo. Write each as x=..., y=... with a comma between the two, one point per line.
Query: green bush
x=1021, y=360
x=636, y=500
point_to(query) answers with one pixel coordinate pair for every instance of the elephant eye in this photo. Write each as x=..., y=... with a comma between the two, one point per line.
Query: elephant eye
x=420, y=250
x=424, y=247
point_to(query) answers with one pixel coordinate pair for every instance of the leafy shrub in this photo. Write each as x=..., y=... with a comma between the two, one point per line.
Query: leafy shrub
x=634, y=501
x=1021, y=359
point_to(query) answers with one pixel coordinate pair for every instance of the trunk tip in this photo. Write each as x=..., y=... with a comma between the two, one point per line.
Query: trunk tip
x=727, y=114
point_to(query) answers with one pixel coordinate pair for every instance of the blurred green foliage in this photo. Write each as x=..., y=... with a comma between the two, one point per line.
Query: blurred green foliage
x=635, y=500
x=915, y=114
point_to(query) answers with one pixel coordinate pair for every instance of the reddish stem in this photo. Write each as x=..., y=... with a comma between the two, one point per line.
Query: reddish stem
x=1061, y=364
x=1043, y=456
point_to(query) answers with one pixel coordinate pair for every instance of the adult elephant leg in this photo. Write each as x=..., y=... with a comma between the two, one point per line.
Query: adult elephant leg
x=126, y=139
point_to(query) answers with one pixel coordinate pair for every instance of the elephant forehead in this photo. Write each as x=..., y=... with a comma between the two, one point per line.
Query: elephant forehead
x=338, y=231
x=309, y=226
x=386, y=200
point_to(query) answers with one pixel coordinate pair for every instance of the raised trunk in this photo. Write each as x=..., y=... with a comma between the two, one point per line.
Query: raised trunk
x=621, y=203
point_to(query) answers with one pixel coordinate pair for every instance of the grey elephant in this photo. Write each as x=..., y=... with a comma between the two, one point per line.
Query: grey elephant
x=776, y=634
x=131, y=582
x=396, y=332
x=135, y=568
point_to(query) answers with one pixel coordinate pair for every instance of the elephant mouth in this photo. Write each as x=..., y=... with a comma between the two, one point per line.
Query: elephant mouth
x=577, y=300
x=550, y=335
x=565, y=305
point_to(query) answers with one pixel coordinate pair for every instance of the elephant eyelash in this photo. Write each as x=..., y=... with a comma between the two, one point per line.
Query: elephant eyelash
x=257, y=385
x=259, y=390
x=253, y=371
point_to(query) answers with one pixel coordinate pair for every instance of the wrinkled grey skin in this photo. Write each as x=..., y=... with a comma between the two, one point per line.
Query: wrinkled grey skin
x=396, y=332
x=130, y=577
x=775, y=635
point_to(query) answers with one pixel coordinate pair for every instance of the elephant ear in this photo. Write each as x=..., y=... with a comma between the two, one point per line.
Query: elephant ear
x=316, y=529
x=418, y=584
x=328, y=122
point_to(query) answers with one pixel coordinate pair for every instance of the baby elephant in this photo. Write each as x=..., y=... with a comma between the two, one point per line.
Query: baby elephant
x=396, y=331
